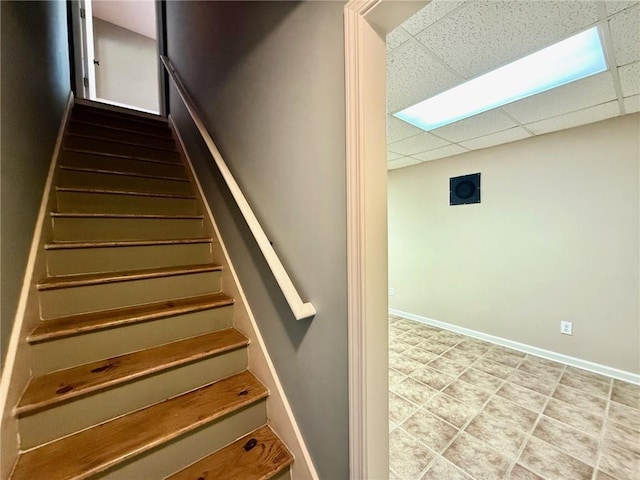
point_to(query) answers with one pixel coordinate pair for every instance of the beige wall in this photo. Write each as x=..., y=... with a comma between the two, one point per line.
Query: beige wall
x=555, y=238
x=269, y=80
x=128, y=70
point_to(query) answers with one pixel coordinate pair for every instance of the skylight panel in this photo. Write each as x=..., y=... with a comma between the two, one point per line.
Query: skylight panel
x=571, y=59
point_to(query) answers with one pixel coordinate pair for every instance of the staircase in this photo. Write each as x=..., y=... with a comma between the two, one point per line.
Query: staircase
x=138, y=372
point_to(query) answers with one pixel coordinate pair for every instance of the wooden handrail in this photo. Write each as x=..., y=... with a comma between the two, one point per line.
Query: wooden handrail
x=300, y=309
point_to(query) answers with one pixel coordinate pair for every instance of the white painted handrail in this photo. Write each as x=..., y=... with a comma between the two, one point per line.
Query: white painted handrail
x=300, y=309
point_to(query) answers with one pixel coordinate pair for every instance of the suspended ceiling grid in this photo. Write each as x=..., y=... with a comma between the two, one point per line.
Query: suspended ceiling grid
x=448, y=42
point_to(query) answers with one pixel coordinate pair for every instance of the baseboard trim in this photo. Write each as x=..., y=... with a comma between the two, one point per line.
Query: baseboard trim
x=522, y=347
x=280, y=408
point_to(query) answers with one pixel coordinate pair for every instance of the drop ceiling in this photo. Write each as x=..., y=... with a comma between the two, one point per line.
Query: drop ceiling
x=448, y=42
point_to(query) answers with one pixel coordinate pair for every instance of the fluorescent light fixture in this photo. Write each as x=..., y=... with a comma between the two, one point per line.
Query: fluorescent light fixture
x=564, y=62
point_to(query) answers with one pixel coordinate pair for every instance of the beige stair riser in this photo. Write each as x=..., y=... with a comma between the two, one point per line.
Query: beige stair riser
x=84, y=179
x=97, y=228
x=104, y=162
x=95, y=202
x=185, y=450
x=267, y=459
x=101, y=344
x=115, y=259
x=121, y=122
x=92, y=409
x=284, y=475
x=120, y=134
x=119, y=148
x=71, y=301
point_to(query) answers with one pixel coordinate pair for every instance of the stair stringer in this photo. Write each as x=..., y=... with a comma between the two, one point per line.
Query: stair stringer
x=16, y=372
x=279, y=411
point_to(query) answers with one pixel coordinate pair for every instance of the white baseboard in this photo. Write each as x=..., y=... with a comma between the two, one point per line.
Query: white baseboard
x=521, y=347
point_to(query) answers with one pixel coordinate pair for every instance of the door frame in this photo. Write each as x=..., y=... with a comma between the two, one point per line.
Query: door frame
x=82, y=46
x=83, y=54
x=366, y=23
x=161, y=42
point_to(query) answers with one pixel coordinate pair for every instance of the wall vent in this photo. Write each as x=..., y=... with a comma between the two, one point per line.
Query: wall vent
x=464, y=190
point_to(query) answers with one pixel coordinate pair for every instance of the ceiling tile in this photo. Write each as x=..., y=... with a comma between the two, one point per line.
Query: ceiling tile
x=477, y=35
x=396, y=38
x=416, y=144
x=630, y=79
x=398, y=130
x=575, y=119
x=413, y=75
x=402, y=162
x=632, y=104
x=498, y=138
x=429, y=15
x=476, y=126
x=393, y=156
x=625, y=33
x=615, y=7
x=578, y=95
x=483, y=35
x=447, y=151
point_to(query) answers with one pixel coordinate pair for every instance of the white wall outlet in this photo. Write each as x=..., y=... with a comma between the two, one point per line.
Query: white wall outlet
x=566, y=328
x=392, y=291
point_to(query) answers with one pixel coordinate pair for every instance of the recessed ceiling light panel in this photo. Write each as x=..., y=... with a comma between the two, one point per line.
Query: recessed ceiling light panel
x=572, y=59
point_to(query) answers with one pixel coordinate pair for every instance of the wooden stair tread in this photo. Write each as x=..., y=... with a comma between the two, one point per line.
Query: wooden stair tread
x=121, y=142
x=53, y=388
x=257, y=456
x=69, y=245
x=93, y=450
x=124, y=173
x=67, y=281
x=120, y=129
x=112, y=191
x=125, y=113
x=118, y=155
x=122, y=215
x=88, y=322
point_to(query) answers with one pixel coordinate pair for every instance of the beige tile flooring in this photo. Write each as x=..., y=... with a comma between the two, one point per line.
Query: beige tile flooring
x=463, y=409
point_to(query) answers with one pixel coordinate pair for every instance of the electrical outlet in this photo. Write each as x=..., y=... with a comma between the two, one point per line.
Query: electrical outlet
x=566, y=328
x=392, y=291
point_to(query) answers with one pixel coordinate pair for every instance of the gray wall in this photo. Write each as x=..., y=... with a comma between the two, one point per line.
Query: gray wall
x=269, y=79
x=34, y=67
x=555, y=238
x=128, y=70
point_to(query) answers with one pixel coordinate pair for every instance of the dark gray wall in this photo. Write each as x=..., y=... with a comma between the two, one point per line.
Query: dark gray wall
x=269, y=80
x=34, y=68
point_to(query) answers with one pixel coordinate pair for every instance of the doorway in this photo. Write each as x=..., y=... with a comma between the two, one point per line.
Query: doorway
x=116, y=53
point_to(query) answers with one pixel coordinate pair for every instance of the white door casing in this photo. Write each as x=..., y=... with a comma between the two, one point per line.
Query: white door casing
x=82, y=24
x=366, y=24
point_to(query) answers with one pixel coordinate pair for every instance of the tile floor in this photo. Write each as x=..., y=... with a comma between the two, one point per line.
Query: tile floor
x=464, y=409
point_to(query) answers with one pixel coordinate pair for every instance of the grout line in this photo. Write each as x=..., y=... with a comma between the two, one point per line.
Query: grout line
x=609, y=372
x=603, y=23
x=596, y=466
x=461, y=429
x=559, y=374
x=530, y=434
x=423, y=445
